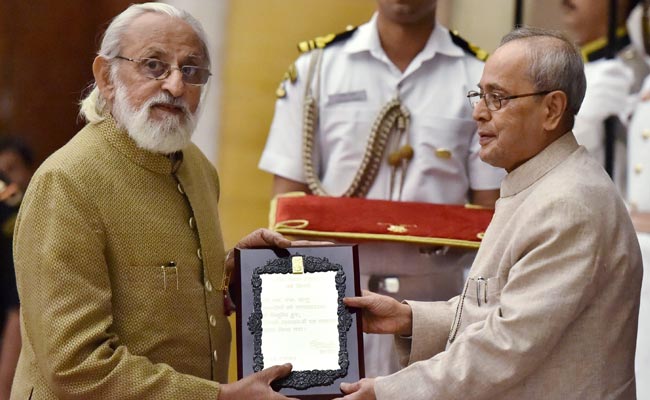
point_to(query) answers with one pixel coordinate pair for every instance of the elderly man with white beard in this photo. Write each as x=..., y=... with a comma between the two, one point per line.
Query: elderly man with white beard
x=119, y=256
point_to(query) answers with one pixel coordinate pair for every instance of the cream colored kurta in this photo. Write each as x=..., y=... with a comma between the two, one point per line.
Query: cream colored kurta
x=550, y=309
x=100, y=318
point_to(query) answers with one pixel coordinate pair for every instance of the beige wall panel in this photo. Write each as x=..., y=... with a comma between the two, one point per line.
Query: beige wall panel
x=544, y=14
x=261, y=39
x=260, y=45
x=482, y=22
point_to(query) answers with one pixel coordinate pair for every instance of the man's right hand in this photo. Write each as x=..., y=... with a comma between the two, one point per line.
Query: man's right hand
x=382, y=314
x=256, y=386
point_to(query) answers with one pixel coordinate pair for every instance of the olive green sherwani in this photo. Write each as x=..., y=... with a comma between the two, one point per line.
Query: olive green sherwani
x=119, y=264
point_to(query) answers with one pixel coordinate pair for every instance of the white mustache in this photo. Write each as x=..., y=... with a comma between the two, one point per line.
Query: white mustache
x=169, y=100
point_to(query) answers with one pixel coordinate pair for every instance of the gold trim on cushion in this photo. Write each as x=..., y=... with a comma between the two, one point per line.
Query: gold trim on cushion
x=384, y=237
x=295, y=227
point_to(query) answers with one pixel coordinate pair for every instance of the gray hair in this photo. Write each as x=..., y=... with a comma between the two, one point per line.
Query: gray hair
x=555, y=65
x=93, y=106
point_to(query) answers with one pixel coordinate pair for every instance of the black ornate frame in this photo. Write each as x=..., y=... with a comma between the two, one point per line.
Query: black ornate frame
x=301, y=380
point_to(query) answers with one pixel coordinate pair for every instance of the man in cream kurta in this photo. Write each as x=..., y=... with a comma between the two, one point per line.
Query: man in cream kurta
x=539, y=300
x=118, y=249
x=551, y=305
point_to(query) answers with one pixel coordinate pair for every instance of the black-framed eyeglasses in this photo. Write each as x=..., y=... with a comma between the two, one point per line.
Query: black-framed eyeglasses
x=157, y=69
x=493, y=100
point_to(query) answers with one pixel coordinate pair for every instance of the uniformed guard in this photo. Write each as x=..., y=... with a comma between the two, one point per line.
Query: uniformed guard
x=380, y=112
x=638, y=174
x=121, y=269
x=610, y=82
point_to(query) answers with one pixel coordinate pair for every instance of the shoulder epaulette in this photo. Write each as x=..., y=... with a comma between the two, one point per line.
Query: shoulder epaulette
x=597, y=49
x=323, y=41
x=468, y=47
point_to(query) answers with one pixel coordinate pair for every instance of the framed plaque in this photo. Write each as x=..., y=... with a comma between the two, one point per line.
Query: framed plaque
x=291, y=310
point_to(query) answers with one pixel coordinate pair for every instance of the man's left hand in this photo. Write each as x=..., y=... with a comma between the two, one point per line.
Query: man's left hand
x=258, y=238
x=263, y=238
x=362, y=390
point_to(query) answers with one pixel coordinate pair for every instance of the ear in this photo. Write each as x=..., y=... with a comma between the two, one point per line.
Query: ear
x=102, y=73
x=555, y=104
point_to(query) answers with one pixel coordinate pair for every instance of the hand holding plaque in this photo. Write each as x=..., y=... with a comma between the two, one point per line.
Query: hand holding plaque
x=257, y=239
x=256, y=386
x=383, y=314
x=292, y=310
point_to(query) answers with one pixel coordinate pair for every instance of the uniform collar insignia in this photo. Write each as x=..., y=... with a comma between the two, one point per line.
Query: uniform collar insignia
x=597, y=49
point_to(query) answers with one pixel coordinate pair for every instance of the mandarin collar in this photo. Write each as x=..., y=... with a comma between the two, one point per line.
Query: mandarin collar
x=122, y=142
x=532, y=170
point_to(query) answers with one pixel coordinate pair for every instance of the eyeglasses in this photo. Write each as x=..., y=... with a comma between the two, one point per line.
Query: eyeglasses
x=493, y=100
x=156, y=69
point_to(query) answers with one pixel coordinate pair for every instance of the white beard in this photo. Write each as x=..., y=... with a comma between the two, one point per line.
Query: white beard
x=173, y=133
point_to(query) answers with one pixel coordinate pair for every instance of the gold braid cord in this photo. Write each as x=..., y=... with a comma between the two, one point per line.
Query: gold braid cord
x=392, y=117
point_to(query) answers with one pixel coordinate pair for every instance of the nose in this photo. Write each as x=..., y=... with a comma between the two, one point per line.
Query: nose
x=481, y=112
x=174, y=83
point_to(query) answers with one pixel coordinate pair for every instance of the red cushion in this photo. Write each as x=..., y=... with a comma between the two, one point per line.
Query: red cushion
x=363, y=219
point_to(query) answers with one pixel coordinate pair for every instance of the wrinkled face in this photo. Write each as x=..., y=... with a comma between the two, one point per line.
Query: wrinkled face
x=159, y=114
x=586, y=19
x=514, y=134
x=407, y=11
x=15, y=169
x=169, y=39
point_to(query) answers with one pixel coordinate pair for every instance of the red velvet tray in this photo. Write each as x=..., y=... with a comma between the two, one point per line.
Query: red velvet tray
x=379, y=220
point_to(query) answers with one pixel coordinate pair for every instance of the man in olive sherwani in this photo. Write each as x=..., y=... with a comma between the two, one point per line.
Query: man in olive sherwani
x=118, y=251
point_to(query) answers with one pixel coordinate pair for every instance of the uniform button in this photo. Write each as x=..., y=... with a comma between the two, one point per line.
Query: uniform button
x=638, y=168
x=192, y=224
x=391, y=285
x=441, y=251
x=443, y=153
x=180, y=188
x=213, y=320
x=208, y=286
x=281, y=92
x=215, y=356
x=198, y=254
x=646, y=134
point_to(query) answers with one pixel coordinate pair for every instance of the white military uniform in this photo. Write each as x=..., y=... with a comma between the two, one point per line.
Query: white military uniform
x=639, y=200
x=638, y=182
x=609, y=82
x=356, y=80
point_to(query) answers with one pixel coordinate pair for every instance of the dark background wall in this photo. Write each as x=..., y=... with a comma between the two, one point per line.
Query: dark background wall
x=46, y=53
